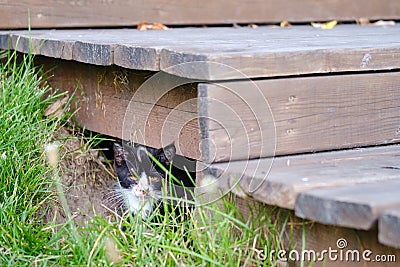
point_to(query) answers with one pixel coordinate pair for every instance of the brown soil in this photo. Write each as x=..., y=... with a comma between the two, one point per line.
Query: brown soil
x=86, y=177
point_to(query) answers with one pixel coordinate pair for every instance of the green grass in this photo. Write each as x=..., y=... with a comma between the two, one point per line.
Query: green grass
x=23, y=180
x=214, y=235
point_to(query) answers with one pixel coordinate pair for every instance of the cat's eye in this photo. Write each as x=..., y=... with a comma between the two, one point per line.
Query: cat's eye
x=153, y=179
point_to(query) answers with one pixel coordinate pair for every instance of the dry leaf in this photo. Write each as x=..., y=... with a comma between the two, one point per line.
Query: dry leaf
x=385, y=23
x=56, y=109
x=363, y=21
x=144, y=26
x=235, y=25
x=325, y=26
x=285, y=24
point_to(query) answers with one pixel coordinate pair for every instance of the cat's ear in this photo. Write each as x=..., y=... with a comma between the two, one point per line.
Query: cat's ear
x=170, y=151
x=166, y=154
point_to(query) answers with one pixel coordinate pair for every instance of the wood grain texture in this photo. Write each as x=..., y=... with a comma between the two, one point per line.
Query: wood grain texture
x=90, y=13
x=242, y=120
x=279, y=181
x=289, y=51
x=389, y=227
x=107, y=103
x=355, y=206
x=229, y=53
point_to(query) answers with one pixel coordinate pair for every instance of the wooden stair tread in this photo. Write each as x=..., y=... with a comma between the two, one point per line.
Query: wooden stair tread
x=389, y=227
x=260, y=52
x=355, y=206
x=279, y=181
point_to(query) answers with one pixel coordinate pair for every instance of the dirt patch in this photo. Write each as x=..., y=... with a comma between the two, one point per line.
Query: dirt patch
x=86, y=176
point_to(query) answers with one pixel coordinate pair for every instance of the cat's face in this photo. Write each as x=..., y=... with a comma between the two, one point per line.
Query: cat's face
x=140, y=179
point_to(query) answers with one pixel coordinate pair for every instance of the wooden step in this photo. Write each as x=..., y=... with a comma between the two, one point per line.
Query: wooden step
x=352, y=188
x=277, y=115
x=315, y=91
x=389, y=227
x=92, y=13
x=260, y=52
x=279, y=181
x=354, y=206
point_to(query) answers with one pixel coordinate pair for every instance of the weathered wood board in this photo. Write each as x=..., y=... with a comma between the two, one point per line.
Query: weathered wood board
x=280, y=180
x=108, y=102
x=229, y=53
x=389, y=227
x=242, y=120
x=287, y=52
x=90, y=13
x=353, y=206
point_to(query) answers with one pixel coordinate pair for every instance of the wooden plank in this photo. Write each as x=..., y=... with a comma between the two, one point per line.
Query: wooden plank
x=389, y=227
x=134, y=57
x=4, y=36
x=94, y=53
x=124, y=47
x=108, y=103
x=88, y=46
x=242, y=120
x=144, y=48
x=289, y=51
x=279, y=181
x=92, y=13
x=354, y=206
x=243, y=52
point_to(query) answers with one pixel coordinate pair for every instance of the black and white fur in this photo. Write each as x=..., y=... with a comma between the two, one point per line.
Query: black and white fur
x=140, y=180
